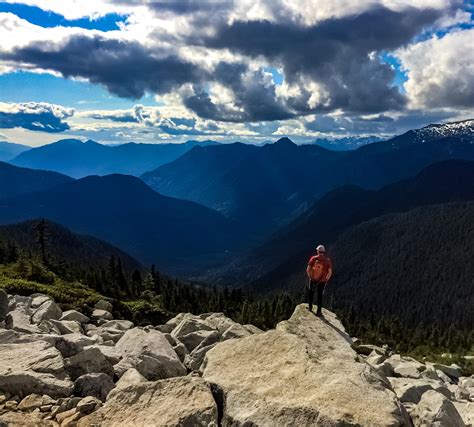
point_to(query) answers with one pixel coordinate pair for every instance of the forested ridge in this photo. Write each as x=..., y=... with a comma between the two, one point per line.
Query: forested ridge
x=41, y=256
x=406, y=279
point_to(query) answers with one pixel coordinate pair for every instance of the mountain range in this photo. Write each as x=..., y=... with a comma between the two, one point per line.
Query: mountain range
x=9, y=150
x=176, y=235
x=78, y=159
x=280, y=261
x=15, y=180
x=266, y=187
x=346, y=143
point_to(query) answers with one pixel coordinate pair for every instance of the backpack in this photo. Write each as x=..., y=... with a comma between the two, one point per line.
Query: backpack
x=321, y=270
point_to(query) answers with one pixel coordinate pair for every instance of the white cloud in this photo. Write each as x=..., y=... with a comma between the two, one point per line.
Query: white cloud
x=440, y=71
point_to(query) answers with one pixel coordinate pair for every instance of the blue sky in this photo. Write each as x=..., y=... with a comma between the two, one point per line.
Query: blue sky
x=115, y=71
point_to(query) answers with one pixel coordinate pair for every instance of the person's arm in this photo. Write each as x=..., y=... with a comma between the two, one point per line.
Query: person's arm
x=328, y=276
x=309, y=267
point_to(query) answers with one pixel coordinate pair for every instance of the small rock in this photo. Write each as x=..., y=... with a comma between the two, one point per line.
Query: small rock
x=99, y=314
x=31, y=402
x=103, y=305
x=97, y=385
x=64, y=415
x=88, y=405
x=131, y=376
x=74, y=315
x=11, y=405
x=366, y=349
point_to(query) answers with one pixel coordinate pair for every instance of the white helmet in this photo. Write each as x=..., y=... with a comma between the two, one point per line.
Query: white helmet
x=321, y=249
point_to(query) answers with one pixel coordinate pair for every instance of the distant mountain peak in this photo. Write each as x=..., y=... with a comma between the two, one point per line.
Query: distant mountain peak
x=285, y=141
x=464, y=127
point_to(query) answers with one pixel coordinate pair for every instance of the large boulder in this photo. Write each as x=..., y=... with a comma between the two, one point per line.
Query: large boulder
x=150, y=353
x=185, y=401
x=33, y=367
x=453, y=370
x=190, y=325
x=193, y=339
x=19, y=319
x=97, y=385
x=3, y=305
x=67, y=326
x=88, y=361
x=71, y=344
x=410, y=390
x=435, y=410
x=47, y=310
x=110, y=353
x=218, y=321
x=302, y=373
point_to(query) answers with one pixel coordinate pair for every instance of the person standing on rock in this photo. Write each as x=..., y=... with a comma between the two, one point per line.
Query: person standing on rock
x=319, y=271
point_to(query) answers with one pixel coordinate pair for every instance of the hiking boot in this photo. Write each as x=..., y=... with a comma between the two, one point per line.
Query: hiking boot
x=319, y=314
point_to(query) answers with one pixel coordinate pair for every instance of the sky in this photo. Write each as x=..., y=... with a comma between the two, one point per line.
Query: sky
x=117, y=71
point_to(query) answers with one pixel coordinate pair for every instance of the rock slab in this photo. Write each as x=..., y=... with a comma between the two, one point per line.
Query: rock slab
x=302, y=373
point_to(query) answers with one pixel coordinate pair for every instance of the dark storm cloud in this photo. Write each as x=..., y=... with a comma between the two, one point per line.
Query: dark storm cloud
x=255, y=97
x=35, y=116
x=126, y=69
x=336, y=53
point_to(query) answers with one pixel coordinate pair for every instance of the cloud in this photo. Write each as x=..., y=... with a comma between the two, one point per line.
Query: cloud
x=380, y=124
x=251, y=96
x=339, y=54
x=440, y=71
x=126, y=68
x=210, y=61
x=37, y=116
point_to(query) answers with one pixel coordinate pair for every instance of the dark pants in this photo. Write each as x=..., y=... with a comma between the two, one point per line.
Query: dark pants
x=312, y=286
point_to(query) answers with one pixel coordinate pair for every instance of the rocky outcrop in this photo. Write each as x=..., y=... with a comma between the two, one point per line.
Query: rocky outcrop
x=302, y=373
x=185, y=401
x=64, y=368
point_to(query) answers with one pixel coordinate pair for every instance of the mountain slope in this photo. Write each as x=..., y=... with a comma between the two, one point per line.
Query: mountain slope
x=271, y=265
x=411, y=271
x=9, y=150
x=63, y=245
x=15, y=180
x=122, y=210
x=270, y=185
x=78, y=159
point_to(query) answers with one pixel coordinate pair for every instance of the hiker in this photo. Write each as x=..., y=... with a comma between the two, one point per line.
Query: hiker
x=319, y=271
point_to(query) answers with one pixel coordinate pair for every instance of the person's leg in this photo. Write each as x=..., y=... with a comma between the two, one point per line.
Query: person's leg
x=320, y=297
x=310, y=295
